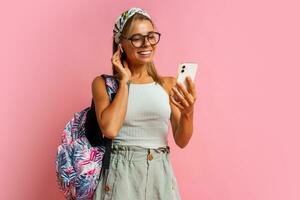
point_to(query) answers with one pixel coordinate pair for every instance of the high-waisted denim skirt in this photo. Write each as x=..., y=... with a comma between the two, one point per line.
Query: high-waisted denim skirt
x=137, y=173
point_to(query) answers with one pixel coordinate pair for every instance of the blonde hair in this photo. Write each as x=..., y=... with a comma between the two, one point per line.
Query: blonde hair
x=151, y=70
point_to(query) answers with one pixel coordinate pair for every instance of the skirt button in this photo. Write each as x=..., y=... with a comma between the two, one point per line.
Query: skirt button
x=150, y=157
x=106, y=188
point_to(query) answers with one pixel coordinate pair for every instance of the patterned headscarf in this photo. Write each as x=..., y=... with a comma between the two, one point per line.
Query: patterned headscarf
x=122, y=19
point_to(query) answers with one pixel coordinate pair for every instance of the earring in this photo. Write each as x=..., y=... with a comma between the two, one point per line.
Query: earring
x=121, y=48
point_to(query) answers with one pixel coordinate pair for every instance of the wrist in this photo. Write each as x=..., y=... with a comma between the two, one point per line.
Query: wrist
x=125, y=82
x=187, y=115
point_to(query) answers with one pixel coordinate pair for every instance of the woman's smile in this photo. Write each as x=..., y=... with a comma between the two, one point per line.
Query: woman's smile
x=145, y=54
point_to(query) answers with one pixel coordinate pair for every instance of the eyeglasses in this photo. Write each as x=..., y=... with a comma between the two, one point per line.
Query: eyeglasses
x=138, y=40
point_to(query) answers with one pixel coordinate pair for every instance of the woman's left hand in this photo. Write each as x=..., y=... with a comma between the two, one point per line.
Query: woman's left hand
x=182, y=98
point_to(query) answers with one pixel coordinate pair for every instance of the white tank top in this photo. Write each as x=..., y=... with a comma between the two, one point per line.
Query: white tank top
x=147, y=116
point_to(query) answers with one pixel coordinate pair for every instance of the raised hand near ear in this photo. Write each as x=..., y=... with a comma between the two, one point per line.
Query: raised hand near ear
x=124, y=73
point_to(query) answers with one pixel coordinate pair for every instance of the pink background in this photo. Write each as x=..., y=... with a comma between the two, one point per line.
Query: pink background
x=246, y=140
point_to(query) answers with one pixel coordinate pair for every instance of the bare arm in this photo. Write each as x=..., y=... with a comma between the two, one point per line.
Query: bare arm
x=110, y=115
x=181, y=122
x=184, y=129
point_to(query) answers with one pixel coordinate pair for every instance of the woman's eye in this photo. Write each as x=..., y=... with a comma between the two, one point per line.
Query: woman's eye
x=136, y=39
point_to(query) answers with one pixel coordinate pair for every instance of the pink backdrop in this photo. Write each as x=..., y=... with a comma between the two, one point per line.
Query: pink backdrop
x=246, y=140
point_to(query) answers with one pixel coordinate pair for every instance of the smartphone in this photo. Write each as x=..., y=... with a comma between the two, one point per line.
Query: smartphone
x=186, y=69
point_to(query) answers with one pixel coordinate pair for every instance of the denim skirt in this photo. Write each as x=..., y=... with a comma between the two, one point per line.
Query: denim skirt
x=138, y=173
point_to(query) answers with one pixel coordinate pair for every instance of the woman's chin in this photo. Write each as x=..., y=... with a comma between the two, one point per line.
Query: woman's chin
x=144, y=60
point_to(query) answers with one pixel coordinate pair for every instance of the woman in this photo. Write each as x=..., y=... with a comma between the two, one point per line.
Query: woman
x=137, y=118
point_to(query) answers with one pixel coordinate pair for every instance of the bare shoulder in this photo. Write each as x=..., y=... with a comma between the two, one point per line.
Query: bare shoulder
x=99, y=89
x=98, y=82
x=168, y=82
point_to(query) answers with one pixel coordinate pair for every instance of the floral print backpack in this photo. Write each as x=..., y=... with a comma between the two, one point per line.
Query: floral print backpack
x=83, y=152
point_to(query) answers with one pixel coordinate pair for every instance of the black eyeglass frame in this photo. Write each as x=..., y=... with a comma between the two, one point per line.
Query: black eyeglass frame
x=144, y=37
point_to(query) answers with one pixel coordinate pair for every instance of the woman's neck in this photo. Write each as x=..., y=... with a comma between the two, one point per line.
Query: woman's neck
x=139, y=72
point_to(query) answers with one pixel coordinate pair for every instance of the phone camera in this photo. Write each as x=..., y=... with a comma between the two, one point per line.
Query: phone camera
x=182, y=71
x=183, y=66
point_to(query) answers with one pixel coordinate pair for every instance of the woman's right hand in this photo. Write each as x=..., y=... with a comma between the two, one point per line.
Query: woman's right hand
x=124, y=73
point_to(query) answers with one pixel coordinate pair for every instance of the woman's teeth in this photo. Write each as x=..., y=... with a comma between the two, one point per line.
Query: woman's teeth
x=145, y=52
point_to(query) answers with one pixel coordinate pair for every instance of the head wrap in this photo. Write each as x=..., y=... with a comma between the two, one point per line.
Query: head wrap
x=122, y=19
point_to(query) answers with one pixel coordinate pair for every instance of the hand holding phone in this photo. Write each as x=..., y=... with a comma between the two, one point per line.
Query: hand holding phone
x=185, y=70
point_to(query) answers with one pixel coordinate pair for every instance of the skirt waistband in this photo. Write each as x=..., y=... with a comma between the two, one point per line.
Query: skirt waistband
x=117, y=147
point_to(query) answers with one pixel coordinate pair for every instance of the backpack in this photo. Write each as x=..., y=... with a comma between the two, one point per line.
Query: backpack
x=83, y=151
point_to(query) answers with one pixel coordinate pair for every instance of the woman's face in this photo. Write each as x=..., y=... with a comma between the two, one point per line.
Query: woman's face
x=144, y=53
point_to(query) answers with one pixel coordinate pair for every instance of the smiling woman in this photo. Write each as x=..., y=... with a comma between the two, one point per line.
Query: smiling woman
x=138, y=41
x=140, y=166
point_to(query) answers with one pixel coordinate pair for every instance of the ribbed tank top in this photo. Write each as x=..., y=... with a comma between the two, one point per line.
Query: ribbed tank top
x=147, y=116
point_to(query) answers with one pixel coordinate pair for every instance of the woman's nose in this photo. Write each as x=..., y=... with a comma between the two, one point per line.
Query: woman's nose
x=146, y=42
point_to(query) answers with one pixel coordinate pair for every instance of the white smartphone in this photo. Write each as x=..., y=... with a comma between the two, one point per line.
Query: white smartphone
x=186, y=69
